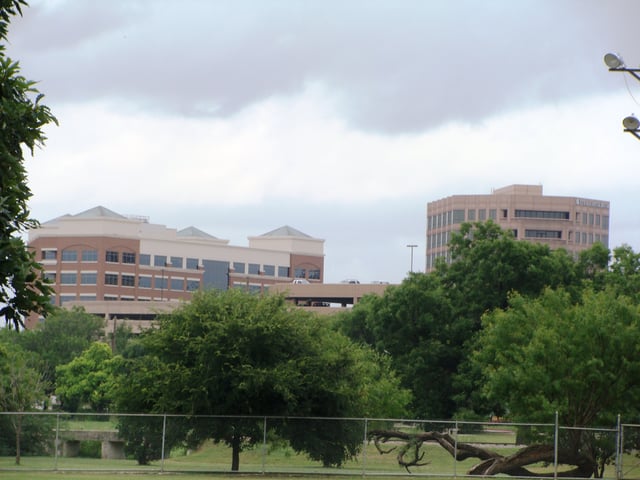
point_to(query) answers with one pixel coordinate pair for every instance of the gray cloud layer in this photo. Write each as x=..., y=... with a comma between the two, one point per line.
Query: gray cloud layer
x=394, y=66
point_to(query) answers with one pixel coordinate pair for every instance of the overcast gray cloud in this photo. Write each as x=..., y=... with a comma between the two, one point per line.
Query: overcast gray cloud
x=395, y=66
x=341, y=118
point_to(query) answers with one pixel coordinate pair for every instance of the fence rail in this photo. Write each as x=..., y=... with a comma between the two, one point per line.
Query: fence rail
x=58, y=441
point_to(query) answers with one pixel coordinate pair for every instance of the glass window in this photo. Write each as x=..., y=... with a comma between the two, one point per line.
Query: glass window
x=584, y=218
x=269, y=270
x=87, y=298
x=542, y=214
x=482, y=215
x=111, y=298
x=49, y=254
x=145, y=259
x=67, y=278
x=193, y=285
x=238, y=267
x=177, y=284
x=128, y=280
x=69, y=255
x=89, y=255
x=591, y=219
x=111, y=279
x=112, y=256
x=254, y=268
x=471, y=214
x=88, y=278
x=67, y=298
x=300, y=273
x=160, y=261
x=492, y=214
x=254, y=288
x=458, y=216
x=283, y=271
x=128, y=257
x=192, y=263
x=314, y=274
x=144, y=282
x=50, y=276
x=177, y=262
x=543, y=234
x=160, y=282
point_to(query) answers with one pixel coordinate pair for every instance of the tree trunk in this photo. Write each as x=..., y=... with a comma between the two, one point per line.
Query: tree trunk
x=235, y=453
x=492, y=463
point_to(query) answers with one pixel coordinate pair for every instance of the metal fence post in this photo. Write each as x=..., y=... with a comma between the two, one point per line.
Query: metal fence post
x=619, y=449
x=264, y=444
x=164, y=436
x=57, y=442
x=555, y=448
x=455, y=450
x=364, y=448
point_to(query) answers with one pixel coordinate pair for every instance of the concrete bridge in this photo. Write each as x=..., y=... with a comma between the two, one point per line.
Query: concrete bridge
x=112, y=444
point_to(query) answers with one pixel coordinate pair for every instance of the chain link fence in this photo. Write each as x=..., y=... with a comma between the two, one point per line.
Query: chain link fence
x=56, y=441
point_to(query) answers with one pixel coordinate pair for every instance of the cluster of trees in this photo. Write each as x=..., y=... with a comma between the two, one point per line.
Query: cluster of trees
x=514, y=329
x=224, y=353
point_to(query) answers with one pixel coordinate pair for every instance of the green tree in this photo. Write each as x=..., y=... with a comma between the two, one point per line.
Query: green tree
x=488, y=263
x=234, y=353
x=551, y=354
x=414, y=326
x=87, y=380
x=63, y=335
x=22, y=116
x=21, y=387
x=624, y=276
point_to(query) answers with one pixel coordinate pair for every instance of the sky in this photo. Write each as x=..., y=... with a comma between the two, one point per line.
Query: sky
x=340, y=118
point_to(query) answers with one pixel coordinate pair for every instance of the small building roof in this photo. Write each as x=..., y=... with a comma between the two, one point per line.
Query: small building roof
x=285, y=231
x=99, y=211
x=194, y=232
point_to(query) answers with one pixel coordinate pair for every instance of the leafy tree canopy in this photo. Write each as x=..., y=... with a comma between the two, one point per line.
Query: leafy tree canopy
x=549, y=354
x=233, y=353
x=63, y=336
x=87, y=380
x=22, y=116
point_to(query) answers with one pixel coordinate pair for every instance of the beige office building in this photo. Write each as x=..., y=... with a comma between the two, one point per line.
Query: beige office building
x=572, y=223
x=100, y=255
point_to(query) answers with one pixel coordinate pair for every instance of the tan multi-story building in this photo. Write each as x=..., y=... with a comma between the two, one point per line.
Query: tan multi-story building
x=100, y=255
x=572, y=223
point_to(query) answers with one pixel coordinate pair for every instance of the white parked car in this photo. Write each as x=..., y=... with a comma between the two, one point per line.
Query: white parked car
x=300, y=281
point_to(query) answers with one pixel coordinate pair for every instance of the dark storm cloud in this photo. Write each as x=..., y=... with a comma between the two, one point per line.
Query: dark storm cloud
x=393, y=65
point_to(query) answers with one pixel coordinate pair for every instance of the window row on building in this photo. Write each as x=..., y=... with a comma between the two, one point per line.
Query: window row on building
x=125, y=280
x=457, y=216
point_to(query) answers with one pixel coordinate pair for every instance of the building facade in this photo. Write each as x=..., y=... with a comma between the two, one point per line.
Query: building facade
x=572, y=223
x=100, y=255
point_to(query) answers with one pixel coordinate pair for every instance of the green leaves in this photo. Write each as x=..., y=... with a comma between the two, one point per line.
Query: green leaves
x=550, y=354
x=22, y=118
x=235, y=353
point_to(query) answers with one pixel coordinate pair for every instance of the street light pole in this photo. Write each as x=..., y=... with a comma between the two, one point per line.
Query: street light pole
x=412, y=246
x=616, y=64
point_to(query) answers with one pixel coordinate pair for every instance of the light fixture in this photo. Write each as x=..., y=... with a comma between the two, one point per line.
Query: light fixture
x=616, y=64
x=632, y=125
x=613, y=60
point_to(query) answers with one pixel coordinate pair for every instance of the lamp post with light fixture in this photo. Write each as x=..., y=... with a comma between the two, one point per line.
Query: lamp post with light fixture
x=616, y=64
x=412, y=247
